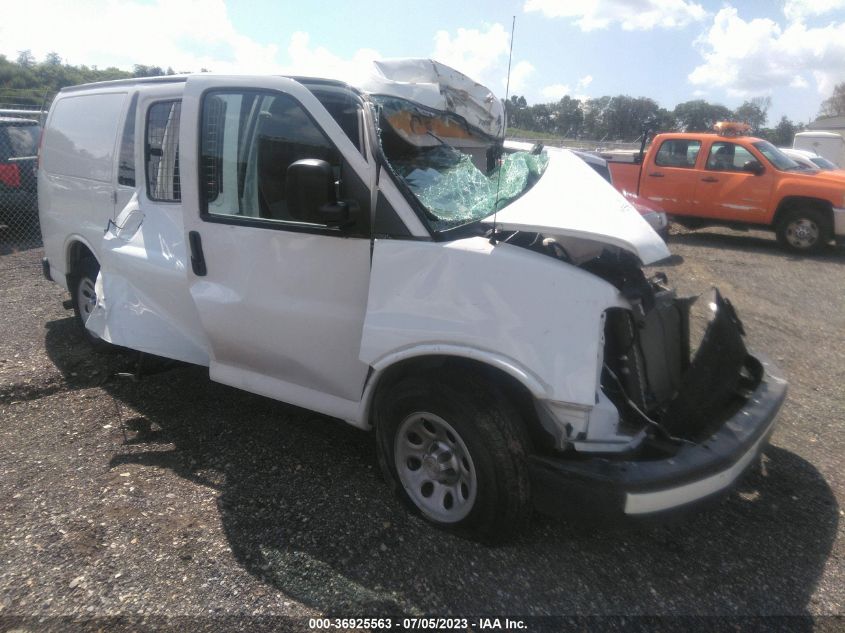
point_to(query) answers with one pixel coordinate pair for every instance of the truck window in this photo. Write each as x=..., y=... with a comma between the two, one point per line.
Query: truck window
x=126, y=160
x=248, y=140
x=162, y=151
x=677, y=153
x=728, y=157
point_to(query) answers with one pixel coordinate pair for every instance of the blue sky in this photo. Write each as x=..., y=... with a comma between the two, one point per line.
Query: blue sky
x=669, y=50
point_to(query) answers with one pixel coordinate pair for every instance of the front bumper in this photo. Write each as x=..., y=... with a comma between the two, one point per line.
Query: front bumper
x=839, y=224
x=696, y=472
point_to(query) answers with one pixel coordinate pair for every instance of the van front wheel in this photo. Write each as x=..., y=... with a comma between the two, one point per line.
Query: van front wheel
x=456, y=456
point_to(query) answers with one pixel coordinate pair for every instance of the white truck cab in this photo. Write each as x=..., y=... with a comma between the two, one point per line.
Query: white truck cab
x=375, y=254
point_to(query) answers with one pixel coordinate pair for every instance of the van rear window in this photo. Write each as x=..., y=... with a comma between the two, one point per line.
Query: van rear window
x=162, y=151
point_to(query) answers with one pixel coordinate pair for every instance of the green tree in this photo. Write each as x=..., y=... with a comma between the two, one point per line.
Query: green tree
x=26, y=58
x=834, y=105
x=754, y=112
x=140, y=70
x=567, y=117
x=699, y=115
x=783, y=134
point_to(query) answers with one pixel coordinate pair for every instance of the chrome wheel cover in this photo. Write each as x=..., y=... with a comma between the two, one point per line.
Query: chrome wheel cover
x=802, y=233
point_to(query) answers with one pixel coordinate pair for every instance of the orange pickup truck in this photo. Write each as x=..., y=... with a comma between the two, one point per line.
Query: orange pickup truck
x=739, y=181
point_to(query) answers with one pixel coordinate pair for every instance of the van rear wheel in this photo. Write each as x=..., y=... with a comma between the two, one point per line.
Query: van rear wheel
x=454, y=451
x=804, y=230
x=83, y=292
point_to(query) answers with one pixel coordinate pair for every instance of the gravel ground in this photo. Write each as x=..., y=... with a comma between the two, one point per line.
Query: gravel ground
x=178, y=496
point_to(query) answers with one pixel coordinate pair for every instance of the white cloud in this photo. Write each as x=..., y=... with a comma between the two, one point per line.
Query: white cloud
x=471, y=51
x=321, y=62
x=555, y=92
x=798, y=10
x=798, y=82
x=753, y=57
x=186, y=35
x=520, y=73
x=632, y=15
x=482, y=55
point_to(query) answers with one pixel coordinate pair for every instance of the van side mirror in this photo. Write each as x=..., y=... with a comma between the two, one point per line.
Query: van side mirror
x=754, y=166
x=310, y=194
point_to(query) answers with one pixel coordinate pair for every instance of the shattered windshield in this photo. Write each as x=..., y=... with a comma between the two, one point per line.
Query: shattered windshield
x=452, y=169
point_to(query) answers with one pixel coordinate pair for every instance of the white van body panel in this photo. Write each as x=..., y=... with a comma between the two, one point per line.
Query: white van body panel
x=572, y=200
x=142, y=298
x=538, y=316
x=78, y=163
x=282, y=310
x=828, y=144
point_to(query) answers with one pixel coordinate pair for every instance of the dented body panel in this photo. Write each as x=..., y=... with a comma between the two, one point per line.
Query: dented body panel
x=541, y=317
x=571, y=200
x=142, y=298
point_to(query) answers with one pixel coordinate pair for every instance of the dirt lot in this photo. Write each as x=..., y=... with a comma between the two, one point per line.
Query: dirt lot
x=178, y=496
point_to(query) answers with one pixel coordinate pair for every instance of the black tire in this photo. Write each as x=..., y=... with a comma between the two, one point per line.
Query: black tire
x=487, y=426
x=805, y=230
x=84, y=277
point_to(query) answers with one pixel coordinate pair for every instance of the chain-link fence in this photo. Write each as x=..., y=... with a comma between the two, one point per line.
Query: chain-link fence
x=21, y=116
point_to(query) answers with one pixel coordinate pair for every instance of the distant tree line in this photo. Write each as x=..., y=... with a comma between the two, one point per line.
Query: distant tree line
x=622, y=117
x=28, y=82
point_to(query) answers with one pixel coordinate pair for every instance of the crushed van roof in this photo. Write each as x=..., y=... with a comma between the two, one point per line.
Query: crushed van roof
x=439, y=87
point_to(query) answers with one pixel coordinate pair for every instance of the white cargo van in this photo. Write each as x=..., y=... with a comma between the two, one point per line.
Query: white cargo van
x=373, y=253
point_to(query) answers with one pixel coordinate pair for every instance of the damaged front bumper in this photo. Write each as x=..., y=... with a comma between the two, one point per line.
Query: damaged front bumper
x=694, y=473
x=717, y=419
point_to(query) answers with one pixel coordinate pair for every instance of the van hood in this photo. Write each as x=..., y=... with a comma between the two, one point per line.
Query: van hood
x=572, y=200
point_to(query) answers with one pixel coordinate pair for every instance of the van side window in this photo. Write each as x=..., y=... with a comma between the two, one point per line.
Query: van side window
x=126, y=160
x=345, y=108
x=248, y=141
x=677, y=153
x=162, y=151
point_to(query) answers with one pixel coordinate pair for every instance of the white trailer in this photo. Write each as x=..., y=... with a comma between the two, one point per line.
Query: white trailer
x=831, y=145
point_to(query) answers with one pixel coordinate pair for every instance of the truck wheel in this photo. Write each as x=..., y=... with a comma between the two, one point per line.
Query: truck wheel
x=455, y=452
x=84, y=297
x=804, y=230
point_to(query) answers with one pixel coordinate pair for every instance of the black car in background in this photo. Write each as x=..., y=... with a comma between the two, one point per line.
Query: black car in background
x=18, y=164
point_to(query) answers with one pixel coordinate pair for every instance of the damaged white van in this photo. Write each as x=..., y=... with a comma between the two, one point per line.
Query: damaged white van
x=377, y=254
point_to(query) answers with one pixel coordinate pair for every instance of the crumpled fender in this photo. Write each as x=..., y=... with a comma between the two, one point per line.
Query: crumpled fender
x=521, y=311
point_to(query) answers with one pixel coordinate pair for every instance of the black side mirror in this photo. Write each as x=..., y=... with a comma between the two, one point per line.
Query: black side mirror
x=754, y=166
x=310, y=194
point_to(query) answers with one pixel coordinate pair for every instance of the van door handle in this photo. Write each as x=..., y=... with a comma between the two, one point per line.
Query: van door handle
x=197, y=258
x=709, y=179
x=656, y=174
